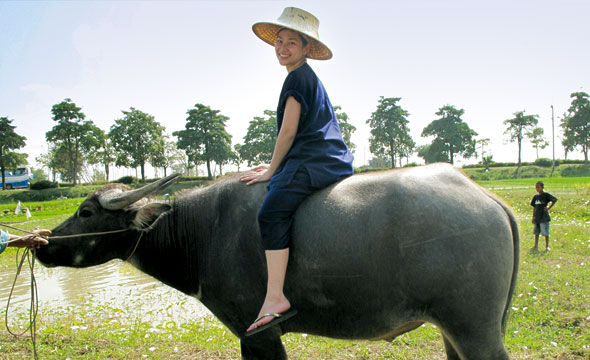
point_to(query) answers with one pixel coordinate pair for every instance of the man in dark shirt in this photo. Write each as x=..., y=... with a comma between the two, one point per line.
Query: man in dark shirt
x=541, y=216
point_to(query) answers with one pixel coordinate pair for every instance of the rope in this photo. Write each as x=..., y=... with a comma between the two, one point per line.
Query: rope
x=135, y=248
x=87, y=234
x=34, y=307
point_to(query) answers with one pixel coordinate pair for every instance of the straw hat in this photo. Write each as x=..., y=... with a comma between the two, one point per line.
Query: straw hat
x=298, y=20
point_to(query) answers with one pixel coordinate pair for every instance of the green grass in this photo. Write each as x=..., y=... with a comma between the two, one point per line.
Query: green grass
x=550, y=317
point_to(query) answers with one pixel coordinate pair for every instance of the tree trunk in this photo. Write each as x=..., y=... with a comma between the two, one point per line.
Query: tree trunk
x=142, y=172
x=392, y=154
x=2, y=169
x=519, y=147
x=451, y=155
x=209, y=176
x=106, y=172
x=75, y=169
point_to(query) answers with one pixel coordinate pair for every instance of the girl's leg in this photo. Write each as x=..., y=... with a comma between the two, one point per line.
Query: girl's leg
x=275, y=218
x=275, y=300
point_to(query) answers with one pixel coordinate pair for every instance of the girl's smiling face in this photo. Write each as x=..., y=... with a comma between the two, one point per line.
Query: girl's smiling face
x=290, y=49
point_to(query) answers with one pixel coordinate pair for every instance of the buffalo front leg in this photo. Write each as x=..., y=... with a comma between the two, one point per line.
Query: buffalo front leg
x=260, y=347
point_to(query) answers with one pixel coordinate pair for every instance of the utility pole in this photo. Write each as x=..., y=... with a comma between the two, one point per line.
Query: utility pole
x=553, y=140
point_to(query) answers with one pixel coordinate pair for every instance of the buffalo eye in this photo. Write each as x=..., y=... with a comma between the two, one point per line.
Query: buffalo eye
x=85, y=213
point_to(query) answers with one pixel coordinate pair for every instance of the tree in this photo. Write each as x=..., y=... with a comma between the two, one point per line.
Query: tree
x=54, y=160
x=38, y=174
x=537, y=139
x=260, y=139
x=346, y=128
x=73, y=137
x=482, y=143
x=237, y=159
x=451, y=133
x=168, y=156
x=136, y=138
x=10, y=140
x=567, y=141
x=106, y=157
x=518, y=127
x=390, y=135
x=432, y=153
x=204, y=138
x=577, y=130
x=486, y=161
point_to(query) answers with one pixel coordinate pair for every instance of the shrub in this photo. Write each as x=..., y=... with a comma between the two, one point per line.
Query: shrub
x=43, y=184
x=412, y=164
x=127, y=180
x=575, y=170
x=543, y=162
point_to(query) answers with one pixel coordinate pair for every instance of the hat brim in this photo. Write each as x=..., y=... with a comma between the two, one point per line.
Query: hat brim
x=268, y=32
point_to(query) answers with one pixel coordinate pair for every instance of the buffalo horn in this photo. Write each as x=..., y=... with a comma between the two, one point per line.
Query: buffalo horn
x=123, y=199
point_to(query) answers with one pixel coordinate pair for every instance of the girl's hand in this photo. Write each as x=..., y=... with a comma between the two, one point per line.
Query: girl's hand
x=254, y=172
x=261, y=168
x=31, y=241
x=256, y=175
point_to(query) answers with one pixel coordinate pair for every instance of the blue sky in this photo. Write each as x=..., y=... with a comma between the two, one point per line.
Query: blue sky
x=490, y=58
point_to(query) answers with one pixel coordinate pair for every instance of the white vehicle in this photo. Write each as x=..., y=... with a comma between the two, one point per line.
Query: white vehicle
x=18, y=178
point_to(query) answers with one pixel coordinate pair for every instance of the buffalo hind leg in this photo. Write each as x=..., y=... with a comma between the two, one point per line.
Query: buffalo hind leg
x=259, y=347
x=476, y=344
x=450, y=350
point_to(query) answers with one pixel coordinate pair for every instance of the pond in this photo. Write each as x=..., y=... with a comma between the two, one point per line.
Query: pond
x=115, y=287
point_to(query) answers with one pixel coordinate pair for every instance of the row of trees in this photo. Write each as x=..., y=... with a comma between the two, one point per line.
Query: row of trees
x=575, y=126
x=137, y=139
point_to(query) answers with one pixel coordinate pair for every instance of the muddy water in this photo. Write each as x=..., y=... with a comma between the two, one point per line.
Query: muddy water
x=112, y=287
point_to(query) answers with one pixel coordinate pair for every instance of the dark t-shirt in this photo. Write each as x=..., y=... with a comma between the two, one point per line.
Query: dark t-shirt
x=540, y=202
x=318, y=144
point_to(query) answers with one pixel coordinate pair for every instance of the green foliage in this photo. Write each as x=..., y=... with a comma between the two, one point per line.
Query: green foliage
x=8, y=197
x=390, y=134
x=433, y=153
x=10, y=140
x=575, y=171
x=260, y=139
x=346, y=128
x=136, y=138
x=451, y=133
x=72, y=139
x=127, y=180
x=537, y=139
x=576, y=125
x=205, y=138
x=38, y=174
x=43, y=184
x=544, y=162
x=168, y=155
x=518, y=127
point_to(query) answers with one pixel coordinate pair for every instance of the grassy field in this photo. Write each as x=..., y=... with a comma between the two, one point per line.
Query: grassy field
x=550, y=317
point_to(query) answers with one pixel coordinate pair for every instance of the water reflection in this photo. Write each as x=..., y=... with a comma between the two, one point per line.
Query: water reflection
x=112, y=286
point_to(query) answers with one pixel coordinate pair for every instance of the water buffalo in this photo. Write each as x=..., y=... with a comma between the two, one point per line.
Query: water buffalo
x=373, y=256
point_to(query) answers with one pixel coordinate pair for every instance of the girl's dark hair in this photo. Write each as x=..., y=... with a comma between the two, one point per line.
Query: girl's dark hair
x=303, y=39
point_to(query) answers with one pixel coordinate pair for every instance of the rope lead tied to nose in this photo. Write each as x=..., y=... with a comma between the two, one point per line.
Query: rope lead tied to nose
x=34, y=305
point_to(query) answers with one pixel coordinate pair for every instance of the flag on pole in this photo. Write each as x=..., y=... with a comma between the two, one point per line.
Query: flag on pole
x=17, y=211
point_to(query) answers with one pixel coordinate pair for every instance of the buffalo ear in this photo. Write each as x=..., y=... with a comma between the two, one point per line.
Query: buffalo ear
x=148, y=214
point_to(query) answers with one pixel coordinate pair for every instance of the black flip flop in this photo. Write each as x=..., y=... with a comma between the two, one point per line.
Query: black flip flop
x=278, y=318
